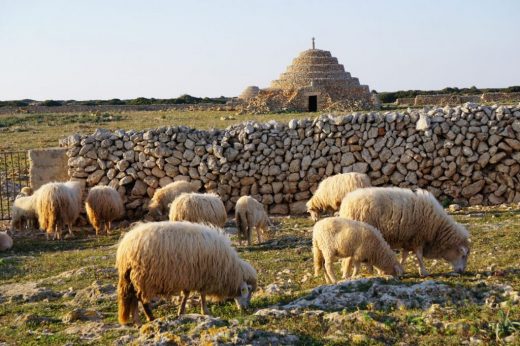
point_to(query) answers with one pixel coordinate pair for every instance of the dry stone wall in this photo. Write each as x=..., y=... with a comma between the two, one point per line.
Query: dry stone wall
x=468, y=154
x=453, y=100
x=117, y=108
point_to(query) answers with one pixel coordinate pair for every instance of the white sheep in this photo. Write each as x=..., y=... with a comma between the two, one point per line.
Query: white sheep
x=167, y=258
x=199, y=207
x=58, y=205
x=103, y=205
x=250, y=214
x=163, y=197
x=6, y=242
x=331, y=191
x=411, y=221
x=23, y=213
x=336, y=237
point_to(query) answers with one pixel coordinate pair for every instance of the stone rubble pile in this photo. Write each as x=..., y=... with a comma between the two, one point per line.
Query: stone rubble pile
x=467, y=154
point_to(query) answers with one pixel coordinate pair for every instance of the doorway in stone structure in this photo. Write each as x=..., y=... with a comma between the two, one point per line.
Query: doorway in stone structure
x=313, y=103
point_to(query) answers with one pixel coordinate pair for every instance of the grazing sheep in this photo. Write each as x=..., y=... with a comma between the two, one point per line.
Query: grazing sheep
x=160, y=202
x=361, y=243
x=412, y=221
x=6, y=242
x=58, y=205
x=249, y=214
x=166, y=258
x=103, y=205
x=23, y=213
x=331, y=191
x=199, y=207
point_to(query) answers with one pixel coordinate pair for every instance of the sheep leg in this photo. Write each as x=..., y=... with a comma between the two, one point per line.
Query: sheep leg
x=422, y=268
x=356, y=269
x=135, y=315
x=203, y=307
x=259, y=234
x=346, y=267
x=107, y=227
x=182, y=307
x=318, y=260
x=329, y=270
x=249, y=233
x=148, y=311
x=404, y=256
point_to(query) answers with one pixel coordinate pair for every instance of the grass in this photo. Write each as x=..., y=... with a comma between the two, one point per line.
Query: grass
x=30, y=131
x=286, y=260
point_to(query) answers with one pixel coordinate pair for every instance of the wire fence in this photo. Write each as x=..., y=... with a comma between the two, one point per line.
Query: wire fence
x=14, y=175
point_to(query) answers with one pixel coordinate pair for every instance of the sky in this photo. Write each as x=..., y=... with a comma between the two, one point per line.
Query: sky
x=103, y=49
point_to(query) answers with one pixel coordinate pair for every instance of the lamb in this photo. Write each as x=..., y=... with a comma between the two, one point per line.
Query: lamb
x=331, y=191
x=6, y=242
x=165, y=258
x=411, y=221
x=103, y=205
x=249, y=214
x=359, y=242
x=160, y=202
x=198, y=207
x=23, y=213
x=58, y=205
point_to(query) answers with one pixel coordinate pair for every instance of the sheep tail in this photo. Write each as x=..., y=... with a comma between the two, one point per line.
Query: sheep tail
x=126, y=297
x=319, y=260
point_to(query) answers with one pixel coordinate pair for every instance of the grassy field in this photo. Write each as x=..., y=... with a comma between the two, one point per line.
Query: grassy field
x=76, y=272
x=30, y=131
x=52, y=280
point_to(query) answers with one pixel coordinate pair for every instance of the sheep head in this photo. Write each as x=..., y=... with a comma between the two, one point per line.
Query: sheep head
x=458, y=257
x=395, y=269
x=243, y=297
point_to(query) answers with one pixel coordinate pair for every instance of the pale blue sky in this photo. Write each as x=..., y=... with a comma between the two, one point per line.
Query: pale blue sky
x=102, y=49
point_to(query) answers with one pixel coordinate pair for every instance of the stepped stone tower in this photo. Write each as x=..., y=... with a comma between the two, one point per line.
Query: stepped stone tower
x=314, y=81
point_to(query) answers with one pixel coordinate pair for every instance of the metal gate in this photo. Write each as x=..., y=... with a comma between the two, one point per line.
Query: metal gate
x=14, y=175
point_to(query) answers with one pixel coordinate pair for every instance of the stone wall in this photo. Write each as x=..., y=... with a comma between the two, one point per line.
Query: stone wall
x=116, y=108
x=500, y=97
x=47, y=165
x=469, y=154
x=453, y=100
x=405, y=101
x=440, y=100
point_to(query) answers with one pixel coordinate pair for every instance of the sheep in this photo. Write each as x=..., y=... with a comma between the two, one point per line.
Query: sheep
x=163, y=197
x=103, y=205
x=249, y=214
x=199, y=207
x=6, y=242
x=331, y=191
x=411, y=221
x=166, y=258
x=23, y=213
x=57, y=205
x=359, y=242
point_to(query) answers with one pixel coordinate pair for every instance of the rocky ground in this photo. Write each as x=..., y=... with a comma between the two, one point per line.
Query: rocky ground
x=65, y=293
